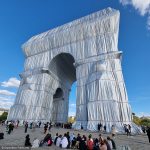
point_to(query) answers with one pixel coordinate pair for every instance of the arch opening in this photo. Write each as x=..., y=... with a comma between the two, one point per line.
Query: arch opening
x=64, y=71
x=58, y=93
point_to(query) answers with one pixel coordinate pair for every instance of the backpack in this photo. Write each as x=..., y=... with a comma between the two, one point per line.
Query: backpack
x=49, y=142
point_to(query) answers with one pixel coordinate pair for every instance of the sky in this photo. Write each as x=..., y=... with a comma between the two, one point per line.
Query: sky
x=21, y=19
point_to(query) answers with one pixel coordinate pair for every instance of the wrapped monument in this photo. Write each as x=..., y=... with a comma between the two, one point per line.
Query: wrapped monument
x=85, y=51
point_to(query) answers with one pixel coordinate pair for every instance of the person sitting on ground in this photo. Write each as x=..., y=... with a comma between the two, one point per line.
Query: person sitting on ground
x=68, y=138
x=84, y=137
x=90, y=143
x=58, y=142
x=71, y=139
x=78, y=140
x=27, y=141
x=64, y=141
x=82, y=144
x=55, y=138
x=96, y=144
x=100, y=138
x=46, y=138
x=73, y=144
x=109, y=142
x=103, y=146
x=36, y=143
x=50, y=142
x=113, y=144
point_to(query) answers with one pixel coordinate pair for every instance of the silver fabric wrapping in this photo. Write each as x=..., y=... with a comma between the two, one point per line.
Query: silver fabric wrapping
x=92, y=41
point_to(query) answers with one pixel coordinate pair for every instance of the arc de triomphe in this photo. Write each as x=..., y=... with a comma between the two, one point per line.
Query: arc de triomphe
x=85, y=51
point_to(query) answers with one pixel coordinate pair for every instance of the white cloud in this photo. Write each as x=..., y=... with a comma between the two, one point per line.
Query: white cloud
x=142, y=6
x=143, y=114
x=6, y=105
x=7, y=93
x=72, y=113
x=12, y=82
x=72, y=105
x=6, y=98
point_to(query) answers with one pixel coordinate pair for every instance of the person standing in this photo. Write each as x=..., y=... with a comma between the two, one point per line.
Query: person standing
x=129, y=127
x=39, y=124
x=101, y=127
x=10, y=128
x=26, y=127
x=105, y=128
x=50, y=126
x=31, y=125
x=98, y=127
x=113, y=131
x=45, y=128
x=148, y=133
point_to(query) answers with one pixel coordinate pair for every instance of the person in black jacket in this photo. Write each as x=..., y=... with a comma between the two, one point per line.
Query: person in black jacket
x=27, y=141
x=148, y=133
x=26, y=127
x=82, y=144
x=1, y=135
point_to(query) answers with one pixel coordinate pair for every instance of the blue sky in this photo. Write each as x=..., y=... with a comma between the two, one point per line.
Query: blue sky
x=21, y=19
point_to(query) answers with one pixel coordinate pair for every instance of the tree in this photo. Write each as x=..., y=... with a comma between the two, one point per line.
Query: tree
x=145, y=122
x=3, y=116
x=136, y=120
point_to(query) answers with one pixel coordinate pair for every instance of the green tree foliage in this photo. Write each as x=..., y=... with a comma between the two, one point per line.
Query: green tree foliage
x=136, y=120
x=145, y=122
x=3, y=116
x=141, y=121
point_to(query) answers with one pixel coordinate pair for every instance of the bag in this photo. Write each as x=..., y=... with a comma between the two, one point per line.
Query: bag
x=49, y=142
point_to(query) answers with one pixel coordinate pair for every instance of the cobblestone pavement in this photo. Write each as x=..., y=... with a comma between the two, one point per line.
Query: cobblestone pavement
x=17, y=138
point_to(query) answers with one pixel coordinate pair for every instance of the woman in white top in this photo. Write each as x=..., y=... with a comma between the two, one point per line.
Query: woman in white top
x=36, y=143
x=64, y=142
x=58, y=142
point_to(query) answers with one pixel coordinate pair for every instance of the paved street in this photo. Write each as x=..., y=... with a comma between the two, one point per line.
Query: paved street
x=17, y=138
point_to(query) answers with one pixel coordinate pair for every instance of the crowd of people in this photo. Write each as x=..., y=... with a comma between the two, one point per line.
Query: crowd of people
x=74, y=142
x=70, y=140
